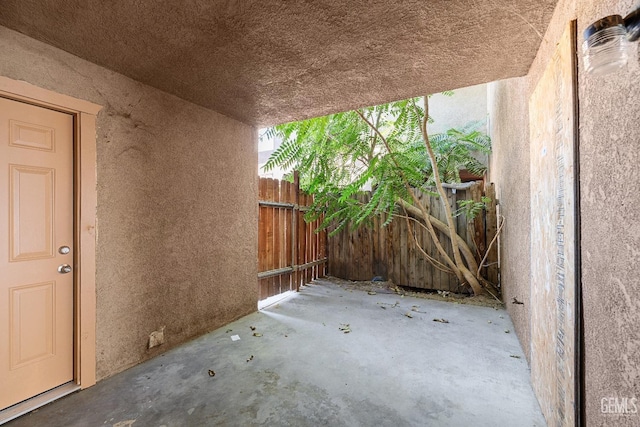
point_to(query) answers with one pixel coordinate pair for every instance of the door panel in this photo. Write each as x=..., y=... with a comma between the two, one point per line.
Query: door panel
x=30, y=212
x=36, y=219
x=31, y=324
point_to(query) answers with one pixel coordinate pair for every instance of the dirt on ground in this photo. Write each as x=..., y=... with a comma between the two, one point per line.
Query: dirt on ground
x=388, y=287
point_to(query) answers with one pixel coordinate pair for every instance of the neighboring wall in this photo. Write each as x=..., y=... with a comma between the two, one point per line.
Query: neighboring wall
x=177, y=206
x=509, y=169
x=467, y=104
x=609, y=184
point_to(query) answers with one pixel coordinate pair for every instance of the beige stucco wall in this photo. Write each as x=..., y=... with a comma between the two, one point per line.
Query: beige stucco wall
x=509, y=169
x=177, y=212
x=609, y=157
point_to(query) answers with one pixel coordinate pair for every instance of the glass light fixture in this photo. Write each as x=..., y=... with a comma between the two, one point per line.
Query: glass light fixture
x=606, y=42
x=632, y=22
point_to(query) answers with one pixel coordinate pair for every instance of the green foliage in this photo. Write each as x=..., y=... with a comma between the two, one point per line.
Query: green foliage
x=470, y=208
x=341, y=154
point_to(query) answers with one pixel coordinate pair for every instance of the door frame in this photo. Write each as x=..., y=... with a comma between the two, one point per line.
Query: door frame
x=84, y=200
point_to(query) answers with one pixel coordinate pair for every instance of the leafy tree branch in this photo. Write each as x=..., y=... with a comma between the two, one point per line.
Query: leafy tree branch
x=388, y=150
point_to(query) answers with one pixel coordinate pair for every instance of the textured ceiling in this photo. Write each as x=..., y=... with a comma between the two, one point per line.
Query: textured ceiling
x=267, y=61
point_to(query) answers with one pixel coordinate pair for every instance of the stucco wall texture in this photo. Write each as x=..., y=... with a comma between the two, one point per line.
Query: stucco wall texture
x=609, y=155
x=509, y=169
x=465, y=105
x=177, y=215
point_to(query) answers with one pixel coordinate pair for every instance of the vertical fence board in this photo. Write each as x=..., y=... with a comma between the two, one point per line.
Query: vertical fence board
x=477, y=227
x=440, y=278
x=396, y=258
x=492, y=229
x=405, y=263
x=425, y=241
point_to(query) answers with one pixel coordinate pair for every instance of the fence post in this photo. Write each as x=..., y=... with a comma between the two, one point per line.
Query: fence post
x=492, y=229
x=477, y=228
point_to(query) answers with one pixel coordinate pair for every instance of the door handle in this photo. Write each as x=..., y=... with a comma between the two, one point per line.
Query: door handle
x=64, y=269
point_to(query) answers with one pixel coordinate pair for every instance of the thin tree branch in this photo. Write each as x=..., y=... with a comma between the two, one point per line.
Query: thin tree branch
x=437, y=264
x=441, y=226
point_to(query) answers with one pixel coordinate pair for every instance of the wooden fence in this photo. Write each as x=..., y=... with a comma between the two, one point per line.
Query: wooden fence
x=391, y=252
x=290, y=253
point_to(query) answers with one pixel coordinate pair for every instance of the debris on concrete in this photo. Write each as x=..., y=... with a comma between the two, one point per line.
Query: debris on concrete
x=344, y=327
x=372, y=293
x=489, y=321
x=441, y=320
x=506, y=331
x=382, y=340
x=257, y=334
x=228, y=330
x=409, y=315
x=212, y=373
x=397, y=290
x=515, y=356
x=253, y=328
x=250, y=358
x=388, y=287
x=235, y=337
x=397, y=303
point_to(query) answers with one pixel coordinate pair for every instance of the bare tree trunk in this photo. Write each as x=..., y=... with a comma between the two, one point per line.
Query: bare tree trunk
x=467, y=253
x=466, y=273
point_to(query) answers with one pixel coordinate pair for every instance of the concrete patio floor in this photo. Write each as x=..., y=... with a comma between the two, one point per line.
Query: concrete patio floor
x=390, y=370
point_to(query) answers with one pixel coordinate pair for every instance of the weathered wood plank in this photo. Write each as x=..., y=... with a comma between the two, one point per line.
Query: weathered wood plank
x=404, y=254
x=477, y=226
x=425, y=276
